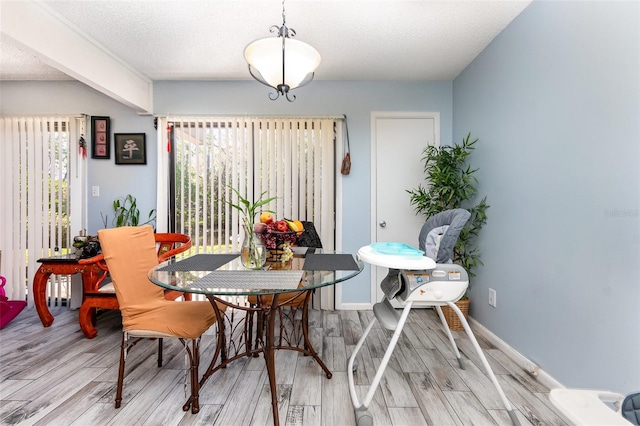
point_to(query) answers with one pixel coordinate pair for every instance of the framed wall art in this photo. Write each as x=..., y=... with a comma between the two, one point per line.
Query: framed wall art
x=131, y=148
x=100, y=144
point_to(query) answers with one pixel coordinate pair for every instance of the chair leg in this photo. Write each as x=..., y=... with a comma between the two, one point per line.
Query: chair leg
x=194, y=364
x=249, y=326
x=305, y=323
x=159, y=352
x=123, y=349
x=259, y=330
x=195, y=383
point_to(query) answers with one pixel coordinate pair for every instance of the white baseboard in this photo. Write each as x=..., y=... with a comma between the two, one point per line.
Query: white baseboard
x=529, y=366
x=355, y=307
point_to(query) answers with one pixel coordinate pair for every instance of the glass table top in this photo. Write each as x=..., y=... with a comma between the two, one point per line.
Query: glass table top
x=224, y=274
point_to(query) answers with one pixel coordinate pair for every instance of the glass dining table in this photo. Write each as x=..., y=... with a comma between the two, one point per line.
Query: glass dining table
x=258, y=299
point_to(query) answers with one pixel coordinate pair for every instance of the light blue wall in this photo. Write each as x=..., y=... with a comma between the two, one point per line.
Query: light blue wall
x=555, y=101
x=355, y=99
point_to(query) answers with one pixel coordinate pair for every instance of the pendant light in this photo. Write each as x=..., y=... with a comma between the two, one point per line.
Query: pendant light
x=282, y=62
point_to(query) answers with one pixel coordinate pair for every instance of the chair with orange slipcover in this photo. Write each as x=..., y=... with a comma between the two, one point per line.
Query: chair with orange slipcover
x=130, y=253
x=98, y=290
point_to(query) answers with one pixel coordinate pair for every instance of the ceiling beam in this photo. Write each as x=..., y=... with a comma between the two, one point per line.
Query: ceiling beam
x=37, y=29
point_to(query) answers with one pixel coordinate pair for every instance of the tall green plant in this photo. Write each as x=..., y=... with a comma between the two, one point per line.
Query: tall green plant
x=450, y=184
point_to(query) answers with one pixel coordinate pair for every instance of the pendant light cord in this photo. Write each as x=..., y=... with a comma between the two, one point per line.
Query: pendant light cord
x=284, y=19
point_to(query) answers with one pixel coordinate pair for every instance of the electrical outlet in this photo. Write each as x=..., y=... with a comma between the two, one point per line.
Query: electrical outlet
x=492, y=297
x=95, y=191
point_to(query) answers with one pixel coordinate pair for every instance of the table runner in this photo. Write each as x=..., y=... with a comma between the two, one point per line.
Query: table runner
x=329, y=262
x=258, y=280
x=200, y=262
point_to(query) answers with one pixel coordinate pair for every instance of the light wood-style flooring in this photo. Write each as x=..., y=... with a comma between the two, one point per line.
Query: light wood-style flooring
x=55, y=376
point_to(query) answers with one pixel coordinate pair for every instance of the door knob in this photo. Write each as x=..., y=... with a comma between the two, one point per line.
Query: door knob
x=382, y=224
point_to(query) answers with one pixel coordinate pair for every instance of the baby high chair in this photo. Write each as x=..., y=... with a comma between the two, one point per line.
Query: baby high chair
x=424, y=277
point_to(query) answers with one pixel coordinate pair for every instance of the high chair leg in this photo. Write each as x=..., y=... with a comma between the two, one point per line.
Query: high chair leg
x=360, y=407
x=485, y=363
x=451, y=340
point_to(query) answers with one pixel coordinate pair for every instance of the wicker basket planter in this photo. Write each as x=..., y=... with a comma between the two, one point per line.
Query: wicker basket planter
x=452, y=318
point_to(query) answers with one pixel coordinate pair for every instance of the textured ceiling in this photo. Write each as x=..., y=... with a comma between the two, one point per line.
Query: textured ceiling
x=204, y=40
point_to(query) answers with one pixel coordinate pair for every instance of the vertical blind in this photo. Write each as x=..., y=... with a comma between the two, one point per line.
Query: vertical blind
x=288, y=158
x=42, y=187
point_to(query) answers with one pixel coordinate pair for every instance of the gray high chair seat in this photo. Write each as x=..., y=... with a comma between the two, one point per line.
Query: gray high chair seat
x=439, y=234
x=437, y=239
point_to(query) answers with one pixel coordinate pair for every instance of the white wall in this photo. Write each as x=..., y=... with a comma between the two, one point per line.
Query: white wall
x=555, y=101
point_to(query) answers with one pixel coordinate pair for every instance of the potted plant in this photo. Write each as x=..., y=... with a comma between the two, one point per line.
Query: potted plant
x=451, y=183
x=127, y=213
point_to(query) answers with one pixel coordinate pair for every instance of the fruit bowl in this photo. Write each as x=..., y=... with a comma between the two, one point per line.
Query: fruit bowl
x=279, y=244
x=281, y=237
x=280, y=234
x=274, y=239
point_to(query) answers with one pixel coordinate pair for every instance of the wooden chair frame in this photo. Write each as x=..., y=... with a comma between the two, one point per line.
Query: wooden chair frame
x=97, y=295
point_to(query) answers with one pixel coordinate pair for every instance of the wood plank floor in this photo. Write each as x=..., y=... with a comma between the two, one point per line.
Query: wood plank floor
x=55, y=376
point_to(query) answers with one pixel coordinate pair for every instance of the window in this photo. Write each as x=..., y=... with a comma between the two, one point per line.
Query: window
x=288, y=158
x=42, y=186
x=291, y=159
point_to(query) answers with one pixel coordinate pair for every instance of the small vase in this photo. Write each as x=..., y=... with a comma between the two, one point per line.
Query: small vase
x=253, y=253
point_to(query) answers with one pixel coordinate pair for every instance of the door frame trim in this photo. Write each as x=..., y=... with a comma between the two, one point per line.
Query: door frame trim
x=375, y=115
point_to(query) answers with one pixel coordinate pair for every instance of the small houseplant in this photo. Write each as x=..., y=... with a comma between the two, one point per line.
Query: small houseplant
x=253, y=252
x=450, y=184
x=127, y=213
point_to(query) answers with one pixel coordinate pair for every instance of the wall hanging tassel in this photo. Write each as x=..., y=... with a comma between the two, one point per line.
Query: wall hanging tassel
x=82, y=144
x=168, y=137
x=345, y=169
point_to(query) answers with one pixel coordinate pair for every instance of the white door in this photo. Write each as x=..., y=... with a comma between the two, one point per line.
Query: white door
x=399, y=140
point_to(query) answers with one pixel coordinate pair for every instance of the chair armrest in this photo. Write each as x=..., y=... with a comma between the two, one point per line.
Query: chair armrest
x=98, y=260
x=95, y=272
x=170, y=240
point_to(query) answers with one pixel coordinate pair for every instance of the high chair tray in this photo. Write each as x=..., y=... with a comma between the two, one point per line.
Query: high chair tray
x=373, y=256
